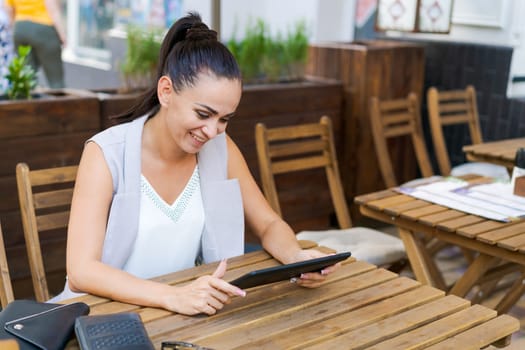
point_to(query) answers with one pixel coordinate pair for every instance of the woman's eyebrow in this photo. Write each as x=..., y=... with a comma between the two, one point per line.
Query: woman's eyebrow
x=211, y=110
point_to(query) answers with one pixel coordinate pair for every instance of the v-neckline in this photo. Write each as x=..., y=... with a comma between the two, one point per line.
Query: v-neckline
x=174, y=210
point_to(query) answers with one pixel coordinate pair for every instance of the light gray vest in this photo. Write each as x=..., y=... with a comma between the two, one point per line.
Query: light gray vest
x=223, y=235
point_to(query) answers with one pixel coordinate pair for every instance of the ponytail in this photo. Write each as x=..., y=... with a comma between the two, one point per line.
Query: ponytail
x=188, y=49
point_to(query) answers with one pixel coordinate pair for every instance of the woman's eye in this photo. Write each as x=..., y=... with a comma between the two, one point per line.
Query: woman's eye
x=225, y=120
x=202, y=115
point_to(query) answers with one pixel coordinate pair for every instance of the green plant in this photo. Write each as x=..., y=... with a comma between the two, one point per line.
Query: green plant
x=250, y=50
x=296, y=50
x=263, y=58
x=142, y=54
x=21, y=76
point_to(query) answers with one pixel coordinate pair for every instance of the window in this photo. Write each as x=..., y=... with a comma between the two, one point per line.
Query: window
x=89, y=22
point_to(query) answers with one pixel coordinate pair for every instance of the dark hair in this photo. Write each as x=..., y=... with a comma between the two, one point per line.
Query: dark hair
x=188, y=49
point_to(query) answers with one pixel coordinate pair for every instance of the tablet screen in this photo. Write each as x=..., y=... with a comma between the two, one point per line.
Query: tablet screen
x=287, y=271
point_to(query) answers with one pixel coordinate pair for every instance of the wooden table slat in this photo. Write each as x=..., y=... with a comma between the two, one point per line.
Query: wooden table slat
x=391, y=327
x=398, y=209
x=513, y=243
x=492, y=237
x=490, y=332
x=439, y=330
x=389, y=201
x=476, y=229
x=457, y=223
x=373, y=196
x=437, y=218
x=500, y=152
x=428, y=210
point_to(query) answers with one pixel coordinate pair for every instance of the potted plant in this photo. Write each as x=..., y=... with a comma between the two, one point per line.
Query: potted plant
x=138, y=68
x=263, y=58
x=142, y=54
x=21, y=77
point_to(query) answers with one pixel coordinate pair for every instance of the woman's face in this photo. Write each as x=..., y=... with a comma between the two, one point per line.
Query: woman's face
x=199, y=113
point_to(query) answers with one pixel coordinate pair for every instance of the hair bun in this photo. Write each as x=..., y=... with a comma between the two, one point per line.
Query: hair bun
x=200, y=31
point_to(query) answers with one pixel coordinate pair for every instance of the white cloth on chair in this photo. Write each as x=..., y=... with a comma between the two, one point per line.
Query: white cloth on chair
x=365, y=244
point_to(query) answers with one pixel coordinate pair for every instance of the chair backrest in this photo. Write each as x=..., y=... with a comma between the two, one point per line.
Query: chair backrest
x=6, y=289
x=450, y=108
x=300, y=147
x=45, y=200
x=394, y=118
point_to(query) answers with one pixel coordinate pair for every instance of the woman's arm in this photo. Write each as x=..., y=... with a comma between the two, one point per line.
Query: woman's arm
x=276, y=236
x=53, y=8
x=10, y=10
x=86, y=232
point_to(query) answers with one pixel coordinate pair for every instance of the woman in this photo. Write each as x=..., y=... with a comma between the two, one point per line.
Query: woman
x=169, y=188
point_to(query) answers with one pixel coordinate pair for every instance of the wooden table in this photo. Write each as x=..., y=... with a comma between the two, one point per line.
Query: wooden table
x=361, y=307
x=495, y=241
x=497, y=152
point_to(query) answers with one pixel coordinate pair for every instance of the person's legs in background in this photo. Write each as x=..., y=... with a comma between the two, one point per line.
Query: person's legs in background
x=46, y=50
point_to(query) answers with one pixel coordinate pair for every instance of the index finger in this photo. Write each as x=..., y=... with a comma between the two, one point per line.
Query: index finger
x=226, y=287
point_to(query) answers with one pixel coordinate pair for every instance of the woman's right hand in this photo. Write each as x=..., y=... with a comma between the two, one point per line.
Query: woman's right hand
x=207, y=294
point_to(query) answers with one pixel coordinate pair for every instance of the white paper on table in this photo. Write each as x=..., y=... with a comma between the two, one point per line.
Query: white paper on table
x=494, y=201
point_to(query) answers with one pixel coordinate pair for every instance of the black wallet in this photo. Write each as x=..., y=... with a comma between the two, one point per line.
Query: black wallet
x=36, y=325
x=115, y=331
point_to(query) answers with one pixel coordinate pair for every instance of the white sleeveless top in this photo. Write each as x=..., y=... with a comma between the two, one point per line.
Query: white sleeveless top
x=169, y=235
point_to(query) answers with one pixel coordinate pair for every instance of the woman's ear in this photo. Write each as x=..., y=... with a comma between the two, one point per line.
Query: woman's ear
x=164, y=90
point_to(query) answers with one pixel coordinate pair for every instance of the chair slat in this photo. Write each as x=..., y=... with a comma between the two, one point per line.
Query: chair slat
x=398, y=131
x=452, y=95
x=52, y=199
x=287, y=133
x=396, y=118
x=53, y=175
x=394, y=104
x=454, y=107
x=52, y=221
x=455, y=119
x=296, y=148
x=299, y=164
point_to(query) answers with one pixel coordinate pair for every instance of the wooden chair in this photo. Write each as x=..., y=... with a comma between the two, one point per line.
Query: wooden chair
x=309, y=146
x=6, y=289
x=401, y=117
x=45, y=199
x=394, y=118
x=454, y=107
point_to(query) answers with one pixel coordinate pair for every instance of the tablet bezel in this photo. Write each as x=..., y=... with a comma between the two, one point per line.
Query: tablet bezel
x=287, y=271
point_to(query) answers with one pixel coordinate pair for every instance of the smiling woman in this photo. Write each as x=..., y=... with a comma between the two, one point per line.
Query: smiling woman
x=172, y=188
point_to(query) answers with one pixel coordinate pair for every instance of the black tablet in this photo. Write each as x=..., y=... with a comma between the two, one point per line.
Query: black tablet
x=287, y=271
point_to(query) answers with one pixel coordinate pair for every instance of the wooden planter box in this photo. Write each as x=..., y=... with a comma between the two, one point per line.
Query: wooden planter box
x=112, y=102
x=381, y=68
x=43, y=132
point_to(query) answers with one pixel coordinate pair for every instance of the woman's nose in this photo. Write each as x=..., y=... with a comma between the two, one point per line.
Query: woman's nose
x=211, y=128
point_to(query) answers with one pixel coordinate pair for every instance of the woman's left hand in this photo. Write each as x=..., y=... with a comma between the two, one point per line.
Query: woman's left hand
x=313, y=279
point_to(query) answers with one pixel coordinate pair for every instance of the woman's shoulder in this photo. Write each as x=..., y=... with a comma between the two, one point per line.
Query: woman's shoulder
x=112, y=135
